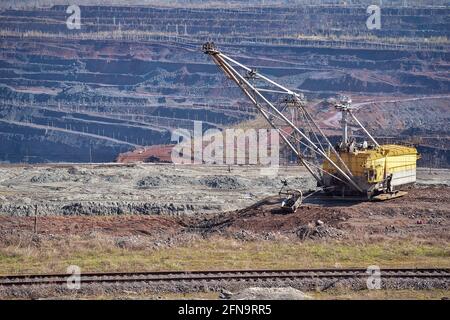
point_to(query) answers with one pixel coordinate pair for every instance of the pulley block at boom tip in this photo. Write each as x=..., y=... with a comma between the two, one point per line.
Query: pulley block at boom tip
x=209, y=48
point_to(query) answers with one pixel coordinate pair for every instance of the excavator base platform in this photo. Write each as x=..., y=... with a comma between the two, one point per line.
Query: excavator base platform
x=389, y=196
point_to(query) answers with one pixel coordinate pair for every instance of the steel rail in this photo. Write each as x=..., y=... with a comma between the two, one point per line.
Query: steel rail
x=220, y=275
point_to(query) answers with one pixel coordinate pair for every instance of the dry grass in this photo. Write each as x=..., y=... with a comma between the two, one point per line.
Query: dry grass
x=101, y=254
x=257, y=123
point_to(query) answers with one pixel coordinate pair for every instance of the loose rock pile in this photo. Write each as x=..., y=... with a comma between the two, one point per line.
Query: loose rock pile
x=318, y=230
x=258, y=293
x=222, y=182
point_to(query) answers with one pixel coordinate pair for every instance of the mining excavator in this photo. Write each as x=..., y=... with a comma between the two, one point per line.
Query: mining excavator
x=346, y=169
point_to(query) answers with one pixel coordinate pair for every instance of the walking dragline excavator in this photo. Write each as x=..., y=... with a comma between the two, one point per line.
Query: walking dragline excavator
x=362, y=169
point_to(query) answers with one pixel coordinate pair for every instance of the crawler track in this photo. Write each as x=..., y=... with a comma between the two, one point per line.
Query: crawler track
x=224, y=275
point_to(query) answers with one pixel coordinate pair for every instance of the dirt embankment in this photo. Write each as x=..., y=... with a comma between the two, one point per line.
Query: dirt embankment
x=424, y=213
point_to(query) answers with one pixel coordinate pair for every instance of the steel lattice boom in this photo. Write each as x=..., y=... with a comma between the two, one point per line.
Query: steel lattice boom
x=274, y=102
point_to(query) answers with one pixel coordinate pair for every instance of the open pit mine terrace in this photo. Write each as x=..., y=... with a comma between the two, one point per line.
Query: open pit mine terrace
x=133, y=74
x=130, y=75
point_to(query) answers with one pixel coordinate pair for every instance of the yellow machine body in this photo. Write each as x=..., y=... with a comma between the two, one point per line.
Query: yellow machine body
x=371, y=167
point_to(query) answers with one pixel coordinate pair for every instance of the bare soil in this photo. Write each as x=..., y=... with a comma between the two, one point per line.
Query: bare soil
x=424, y=213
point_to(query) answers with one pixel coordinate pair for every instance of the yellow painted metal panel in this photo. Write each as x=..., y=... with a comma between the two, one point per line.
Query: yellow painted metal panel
x=374, y=165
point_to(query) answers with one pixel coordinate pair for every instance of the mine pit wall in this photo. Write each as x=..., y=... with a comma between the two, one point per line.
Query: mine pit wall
x=434, y=156
x=112, y=88
x=36, y=145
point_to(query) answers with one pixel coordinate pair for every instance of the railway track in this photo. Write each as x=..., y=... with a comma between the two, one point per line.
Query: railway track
x=223, y=275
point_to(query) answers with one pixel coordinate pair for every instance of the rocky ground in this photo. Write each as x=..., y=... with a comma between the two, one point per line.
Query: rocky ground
x=146, y=189
x=166, y=201
x=424, y=213
x=233, y=221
